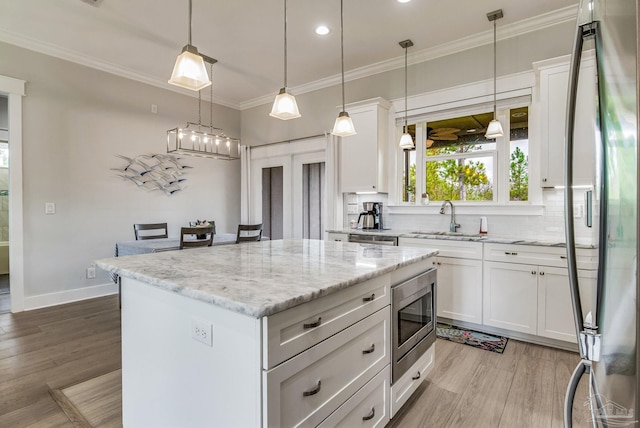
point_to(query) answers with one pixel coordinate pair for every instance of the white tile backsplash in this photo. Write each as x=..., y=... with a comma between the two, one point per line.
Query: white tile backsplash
x=548, y=226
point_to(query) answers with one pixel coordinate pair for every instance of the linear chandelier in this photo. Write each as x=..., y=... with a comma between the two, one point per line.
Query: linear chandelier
x=196, y=139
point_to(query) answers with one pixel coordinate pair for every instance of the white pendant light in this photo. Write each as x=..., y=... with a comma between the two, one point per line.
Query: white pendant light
x=344, y=125
x=189, y=72
x=285, y=106
x=406, y=141
x=494, y=130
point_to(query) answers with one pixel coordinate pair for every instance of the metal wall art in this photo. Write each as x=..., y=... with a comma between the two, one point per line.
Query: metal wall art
x=154, y=172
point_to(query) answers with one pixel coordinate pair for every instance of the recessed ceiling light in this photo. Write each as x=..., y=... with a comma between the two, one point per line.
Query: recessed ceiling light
x=404, y=1
x=322, y=30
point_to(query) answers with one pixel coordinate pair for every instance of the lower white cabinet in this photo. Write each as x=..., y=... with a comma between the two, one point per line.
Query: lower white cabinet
x=369, y=407
x=534, y=299
x=459, y=290
x=511, y=296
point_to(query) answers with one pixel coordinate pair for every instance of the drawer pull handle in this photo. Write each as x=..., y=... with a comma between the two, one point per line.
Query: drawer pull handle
x=370, y=350
x=416, y=377
x=533, y=272
x=541, y=273
x=563, y=257
x=314, y=391
x=509, y=253
x=313, y=324
x=370, y=415
x=369, y=299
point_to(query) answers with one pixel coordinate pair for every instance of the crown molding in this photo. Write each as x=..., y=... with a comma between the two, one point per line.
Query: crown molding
x=528, y=25
x=88, y=61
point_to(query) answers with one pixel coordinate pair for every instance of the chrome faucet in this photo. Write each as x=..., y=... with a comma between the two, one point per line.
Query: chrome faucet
x=453, y=226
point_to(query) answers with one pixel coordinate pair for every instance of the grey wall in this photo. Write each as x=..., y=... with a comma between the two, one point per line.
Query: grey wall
x=75, y=120
x=318, y=108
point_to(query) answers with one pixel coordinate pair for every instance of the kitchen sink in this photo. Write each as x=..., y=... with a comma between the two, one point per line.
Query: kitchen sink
x=461, y=234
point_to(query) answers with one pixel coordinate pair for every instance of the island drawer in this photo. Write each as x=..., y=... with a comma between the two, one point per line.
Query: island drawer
x=292, y=331
x=446, y=248
x=404, y=387
x=312, y=385
x=369, y=407
x=539, y=255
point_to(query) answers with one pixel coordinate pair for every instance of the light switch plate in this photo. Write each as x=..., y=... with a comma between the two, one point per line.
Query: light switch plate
x=49, y=208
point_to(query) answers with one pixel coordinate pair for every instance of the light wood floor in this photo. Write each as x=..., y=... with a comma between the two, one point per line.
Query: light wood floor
x=58, y=349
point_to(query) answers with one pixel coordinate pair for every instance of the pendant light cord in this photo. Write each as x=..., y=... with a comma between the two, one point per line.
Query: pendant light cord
x=405, y=89
x=189, y=22
x=211, y=97
x=285, y=44
x=342, y=48
x=494, y=69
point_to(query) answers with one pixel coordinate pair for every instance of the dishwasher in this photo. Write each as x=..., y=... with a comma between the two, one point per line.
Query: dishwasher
x=373, y=239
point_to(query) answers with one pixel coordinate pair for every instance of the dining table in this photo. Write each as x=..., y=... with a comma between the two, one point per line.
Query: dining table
x=145, y=246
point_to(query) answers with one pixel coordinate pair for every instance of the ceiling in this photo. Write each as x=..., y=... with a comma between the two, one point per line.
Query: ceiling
x=140, y=39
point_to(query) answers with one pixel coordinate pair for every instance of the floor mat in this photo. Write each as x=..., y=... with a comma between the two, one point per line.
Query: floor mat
x=473, y=338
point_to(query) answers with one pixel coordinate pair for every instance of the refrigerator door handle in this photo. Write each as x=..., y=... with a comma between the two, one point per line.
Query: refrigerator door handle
x=582, y=368
x=584, y=31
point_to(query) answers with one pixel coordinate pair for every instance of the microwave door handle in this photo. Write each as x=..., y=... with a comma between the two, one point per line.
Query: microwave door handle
x=574, y=74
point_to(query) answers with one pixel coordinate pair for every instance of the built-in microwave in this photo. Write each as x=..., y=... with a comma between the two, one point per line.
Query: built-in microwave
x=413, y=322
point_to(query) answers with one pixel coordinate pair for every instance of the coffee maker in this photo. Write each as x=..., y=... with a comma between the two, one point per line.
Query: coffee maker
x=371, y=217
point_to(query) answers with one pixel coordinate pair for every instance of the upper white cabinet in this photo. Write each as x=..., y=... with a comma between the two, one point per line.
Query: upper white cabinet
x=363, y=166
x=554, y=78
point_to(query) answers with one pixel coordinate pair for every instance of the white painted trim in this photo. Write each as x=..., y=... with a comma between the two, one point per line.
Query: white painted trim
x=529, y=25
x=68, y=296
x=470, y=209
x=15, y=89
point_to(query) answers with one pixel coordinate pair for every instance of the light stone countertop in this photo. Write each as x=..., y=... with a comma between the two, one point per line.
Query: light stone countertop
x=263, y=278
x=462, y=237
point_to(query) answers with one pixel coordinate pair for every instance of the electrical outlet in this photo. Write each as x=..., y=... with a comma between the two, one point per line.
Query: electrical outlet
x=202, y=331
x=91, y=272
x=49, y=208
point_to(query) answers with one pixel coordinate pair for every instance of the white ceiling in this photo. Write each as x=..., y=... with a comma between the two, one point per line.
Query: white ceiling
x=140, y=39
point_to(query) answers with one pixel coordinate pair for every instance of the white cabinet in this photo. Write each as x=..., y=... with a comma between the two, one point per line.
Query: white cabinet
x=363, y=166
x=554, y=78
x=520, y=294
x=510, y=296
x=338, y=237
x=404, y=387
x=459, y=264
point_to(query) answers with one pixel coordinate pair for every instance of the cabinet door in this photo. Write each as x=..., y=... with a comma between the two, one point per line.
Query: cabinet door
x=363, y=166
x=459, y=289
x=510, y=296
x=553, y=105
x=555, y=313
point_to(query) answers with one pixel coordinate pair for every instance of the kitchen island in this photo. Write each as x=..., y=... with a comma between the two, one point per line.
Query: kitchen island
x=260, y=334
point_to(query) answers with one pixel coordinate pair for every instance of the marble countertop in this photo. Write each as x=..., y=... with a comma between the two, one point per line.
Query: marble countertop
x=461, y=237
x=263, y=278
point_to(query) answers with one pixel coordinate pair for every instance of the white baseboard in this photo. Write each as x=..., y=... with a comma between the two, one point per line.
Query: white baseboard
x=68, y=296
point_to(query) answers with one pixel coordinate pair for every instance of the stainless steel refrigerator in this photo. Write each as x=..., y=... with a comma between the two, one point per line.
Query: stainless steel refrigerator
x=608, y=339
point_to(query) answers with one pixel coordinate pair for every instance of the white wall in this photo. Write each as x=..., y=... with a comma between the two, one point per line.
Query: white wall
x=75, y=120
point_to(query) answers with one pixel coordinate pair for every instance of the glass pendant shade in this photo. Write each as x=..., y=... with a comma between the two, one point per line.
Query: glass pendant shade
x=494, y=130
x=285, y=106
x=189, y=71
x=343, y=126
x=406, y=142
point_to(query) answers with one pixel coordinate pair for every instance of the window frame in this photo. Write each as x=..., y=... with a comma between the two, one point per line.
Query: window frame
x=501, y=157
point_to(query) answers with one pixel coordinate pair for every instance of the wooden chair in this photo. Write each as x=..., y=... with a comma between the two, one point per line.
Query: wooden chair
x=206, y=232
x=138, y=227
x=249, y=233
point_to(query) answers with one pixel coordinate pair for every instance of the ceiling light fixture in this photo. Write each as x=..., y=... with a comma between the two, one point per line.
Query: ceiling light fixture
x=189, y=72
x=285, y=106
x=494, y=130
x=404, y=1
x=322, y=30
x=200, y=140
x=406, y=141
x=344, y=125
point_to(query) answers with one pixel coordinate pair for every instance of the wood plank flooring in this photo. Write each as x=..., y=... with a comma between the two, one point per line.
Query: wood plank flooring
x=74, y=351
